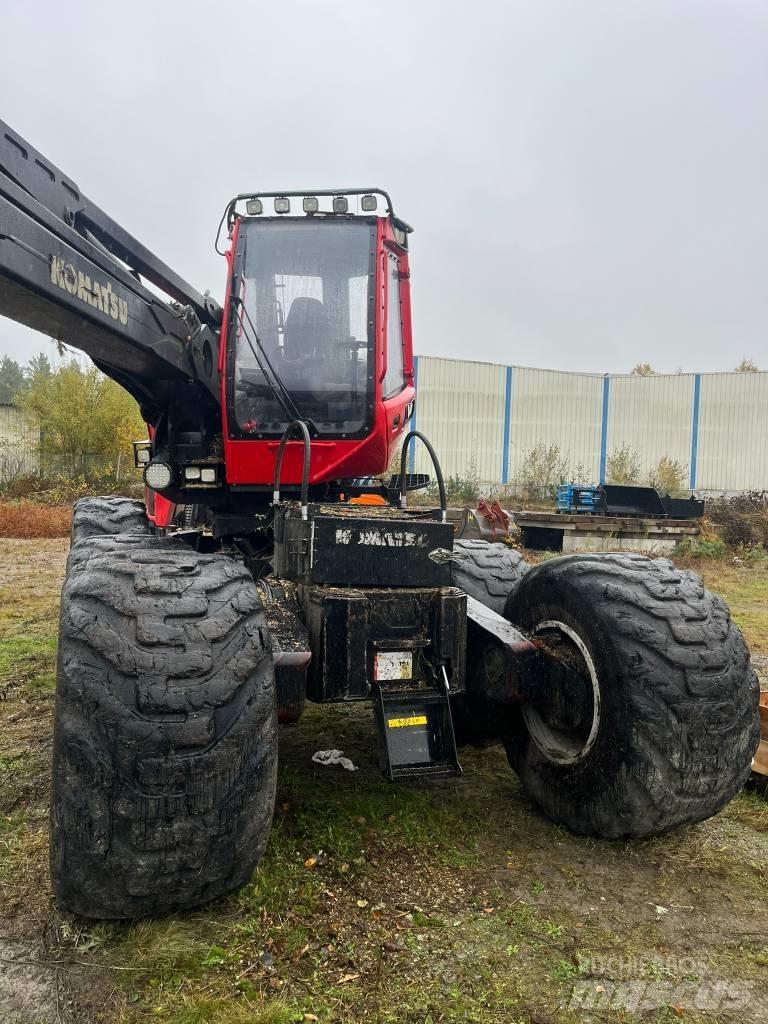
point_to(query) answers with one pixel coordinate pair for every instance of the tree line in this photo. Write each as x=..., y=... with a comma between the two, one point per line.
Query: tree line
x=646, y=370
x=86, y=421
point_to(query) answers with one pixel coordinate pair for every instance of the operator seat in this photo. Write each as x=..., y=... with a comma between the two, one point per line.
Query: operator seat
x=311, y=360
x=307, y=330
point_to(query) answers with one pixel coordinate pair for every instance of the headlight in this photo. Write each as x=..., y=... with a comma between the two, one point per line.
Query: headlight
x=208, y=476
x=158, y=475
x=191, y=472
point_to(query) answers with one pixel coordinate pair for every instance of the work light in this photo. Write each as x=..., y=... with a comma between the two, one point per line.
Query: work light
x=254, y=207
x=311, y=205
x=340, y=204
x=158, y=475
x=369, y=203
x=282, y=204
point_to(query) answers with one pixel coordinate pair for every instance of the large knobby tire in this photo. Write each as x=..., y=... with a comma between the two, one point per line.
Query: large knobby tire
x=487, y=572
x=107, y=515
x=670, y=723
x=165, y=746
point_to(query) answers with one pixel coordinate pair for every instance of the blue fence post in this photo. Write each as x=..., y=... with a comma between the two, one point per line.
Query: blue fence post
x=412, y=452
x=507, y=420
x=695, y=428
x=604, y=428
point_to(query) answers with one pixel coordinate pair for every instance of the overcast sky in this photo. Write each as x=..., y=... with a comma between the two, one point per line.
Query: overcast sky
x=587, y=180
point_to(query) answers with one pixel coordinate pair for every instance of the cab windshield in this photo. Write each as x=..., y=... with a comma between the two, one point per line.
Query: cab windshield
x=305, y=288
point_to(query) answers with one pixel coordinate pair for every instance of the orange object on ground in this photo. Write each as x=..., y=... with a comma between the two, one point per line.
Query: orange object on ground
x=368, y=499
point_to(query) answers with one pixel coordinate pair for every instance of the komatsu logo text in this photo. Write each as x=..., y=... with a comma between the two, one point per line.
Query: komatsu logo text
x=79, y=285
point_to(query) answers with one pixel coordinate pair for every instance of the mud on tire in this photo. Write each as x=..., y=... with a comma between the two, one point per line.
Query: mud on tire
x=488, y=572
x=165, y=734
x=677, y=724
x=106, y=515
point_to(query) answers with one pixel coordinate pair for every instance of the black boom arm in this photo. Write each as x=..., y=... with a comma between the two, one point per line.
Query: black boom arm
x=69, y=271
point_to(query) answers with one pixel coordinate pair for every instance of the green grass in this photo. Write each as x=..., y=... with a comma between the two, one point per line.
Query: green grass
x=9, y=824
x=27, y=656
x=695, y=547
x=13, y=765
x=745, y=590
x=29, y=615
x=212, y=1010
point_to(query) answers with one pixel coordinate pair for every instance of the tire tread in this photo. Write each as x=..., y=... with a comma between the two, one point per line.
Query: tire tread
x=689, y=687
x=165, y=733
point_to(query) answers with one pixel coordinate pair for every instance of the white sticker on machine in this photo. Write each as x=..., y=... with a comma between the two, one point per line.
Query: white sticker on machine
x=393, y=665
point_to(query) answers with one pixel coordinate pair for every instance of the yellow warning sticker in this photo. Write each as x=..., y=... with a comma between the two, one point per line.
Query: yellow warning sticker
x=403, y=723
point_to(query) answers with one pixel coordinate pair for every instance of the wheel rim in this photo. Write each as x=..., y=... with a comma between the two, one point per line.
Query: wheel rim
x=566, y=745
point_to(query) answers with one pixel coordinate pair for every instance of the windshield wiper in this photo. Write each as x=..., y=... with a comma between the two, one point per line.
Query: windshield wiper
x=276, y=385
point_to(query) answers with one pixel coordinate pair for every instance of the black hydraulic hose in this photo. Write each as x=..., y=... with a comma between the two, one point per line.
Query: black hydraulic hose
x=301, y=427
x=438, y=472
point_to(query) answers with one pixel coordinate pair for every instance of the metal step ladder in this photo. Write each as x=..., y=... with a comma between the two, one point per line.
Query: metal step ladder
x=416, y=738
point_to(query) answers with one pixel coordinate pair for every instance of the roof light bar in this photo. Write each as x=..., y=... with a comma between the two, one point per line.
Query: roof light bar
x=367, y=201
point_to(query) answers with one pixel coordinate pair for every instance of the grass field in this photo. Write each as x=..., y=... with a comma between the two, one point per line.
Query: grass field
x=374, y=903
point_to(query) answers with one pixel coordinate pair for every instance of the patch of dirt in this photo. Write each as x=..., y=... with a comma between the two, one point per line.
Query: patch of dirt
x=29, y=991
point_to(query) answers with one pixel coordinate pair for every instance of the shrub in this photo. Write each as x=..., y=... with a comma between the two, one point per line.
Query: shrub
x=464, y=489
x=623, y=466
x=543, y=468
x=668, y=476
x=580, y=475
x=24, y=519
x=65, y=491
x=753, y=556
x=698, y=547
x=740, y=530
x=742, y=520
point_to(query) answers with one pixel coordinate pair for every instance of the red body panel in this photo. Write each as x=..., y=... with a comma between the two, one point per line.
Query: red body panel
x=160, y=511
x=253, y=462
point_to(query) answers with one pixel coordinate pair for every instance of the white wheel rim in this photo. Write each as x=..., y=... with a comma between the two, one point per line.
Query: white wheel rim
x=552, y=744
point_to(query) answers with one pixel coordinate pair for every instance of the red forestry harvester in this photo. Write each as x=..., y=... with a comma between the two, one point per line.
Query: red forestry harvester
x=254, y=580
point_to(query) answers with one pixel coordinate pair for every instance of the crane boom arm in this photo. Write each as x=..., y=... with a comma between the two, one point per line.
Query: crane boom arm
x=69, y=271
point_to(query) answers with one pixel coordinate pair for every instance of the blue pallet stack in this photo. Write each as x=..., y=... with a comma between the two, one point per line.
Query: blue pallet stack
x=575, y=498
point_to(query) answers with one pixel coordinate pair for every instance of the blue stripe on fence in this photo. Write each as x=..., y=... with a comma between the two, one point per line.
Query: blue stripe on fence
x=695, y=428
x=604, y=428
x=507, y=420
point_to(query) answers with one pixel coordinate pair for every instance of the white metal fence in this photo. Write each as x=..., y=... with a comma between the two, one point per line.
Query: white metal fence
x=486, y=419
